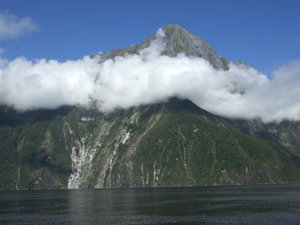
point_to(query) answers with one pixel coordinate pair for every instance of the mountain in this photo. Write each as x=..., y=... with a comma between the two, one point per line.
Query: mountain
x=178, y=40
x=172, y=143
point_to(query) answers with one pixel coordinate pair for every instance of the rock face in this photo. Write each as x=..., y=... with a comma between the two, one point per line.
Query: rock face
x=165, y=144
x=178, y=40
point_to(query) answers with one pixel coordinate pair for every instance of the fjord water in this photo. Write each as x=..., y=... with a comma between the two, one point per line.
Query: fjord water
x=266, y=204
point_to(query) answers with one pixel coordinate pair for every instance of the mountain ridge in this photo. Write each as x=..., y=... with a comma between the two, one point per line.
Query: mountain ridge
x=178, y=40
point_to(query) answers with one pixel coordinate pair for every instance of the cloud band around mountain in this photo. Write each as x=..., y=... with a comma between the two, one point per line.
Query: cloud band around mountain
x=147, y=77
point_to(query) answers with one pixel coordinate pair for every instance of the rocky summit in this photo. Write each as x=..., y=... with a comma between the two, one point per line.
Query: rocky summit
x=172, y=143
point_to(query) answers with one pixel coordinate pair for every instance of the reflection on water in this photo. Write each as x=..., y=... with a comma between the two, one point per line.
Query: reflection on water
x=269, y=204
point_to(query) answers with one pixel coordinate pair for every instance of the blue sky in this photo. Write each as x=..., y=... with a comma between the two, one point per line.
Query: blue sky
x=262, y=33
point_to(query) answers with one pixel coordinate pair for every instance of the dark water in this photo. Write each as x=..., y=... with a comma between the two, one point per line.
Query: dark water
x=271, y=204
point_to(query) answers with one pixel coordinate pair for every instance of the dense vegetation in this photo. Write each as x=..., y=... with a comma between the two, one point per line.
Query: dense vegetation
x=32, y=151
x=167, y=144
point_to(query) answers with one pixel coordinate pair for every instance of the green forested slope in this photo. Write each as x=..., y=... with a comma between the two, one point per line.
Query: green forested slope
x=167, y=144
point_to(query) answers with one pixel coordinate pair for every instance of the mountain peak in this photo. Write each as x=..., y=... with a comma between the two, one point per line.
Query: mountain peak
x=178, y=40
x=174, y=28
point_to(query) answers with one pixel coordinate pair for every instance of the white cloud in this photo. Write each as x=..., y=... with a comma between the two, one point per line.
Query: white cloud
x=12, y=26
x=46, y=84
x=148, y=77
